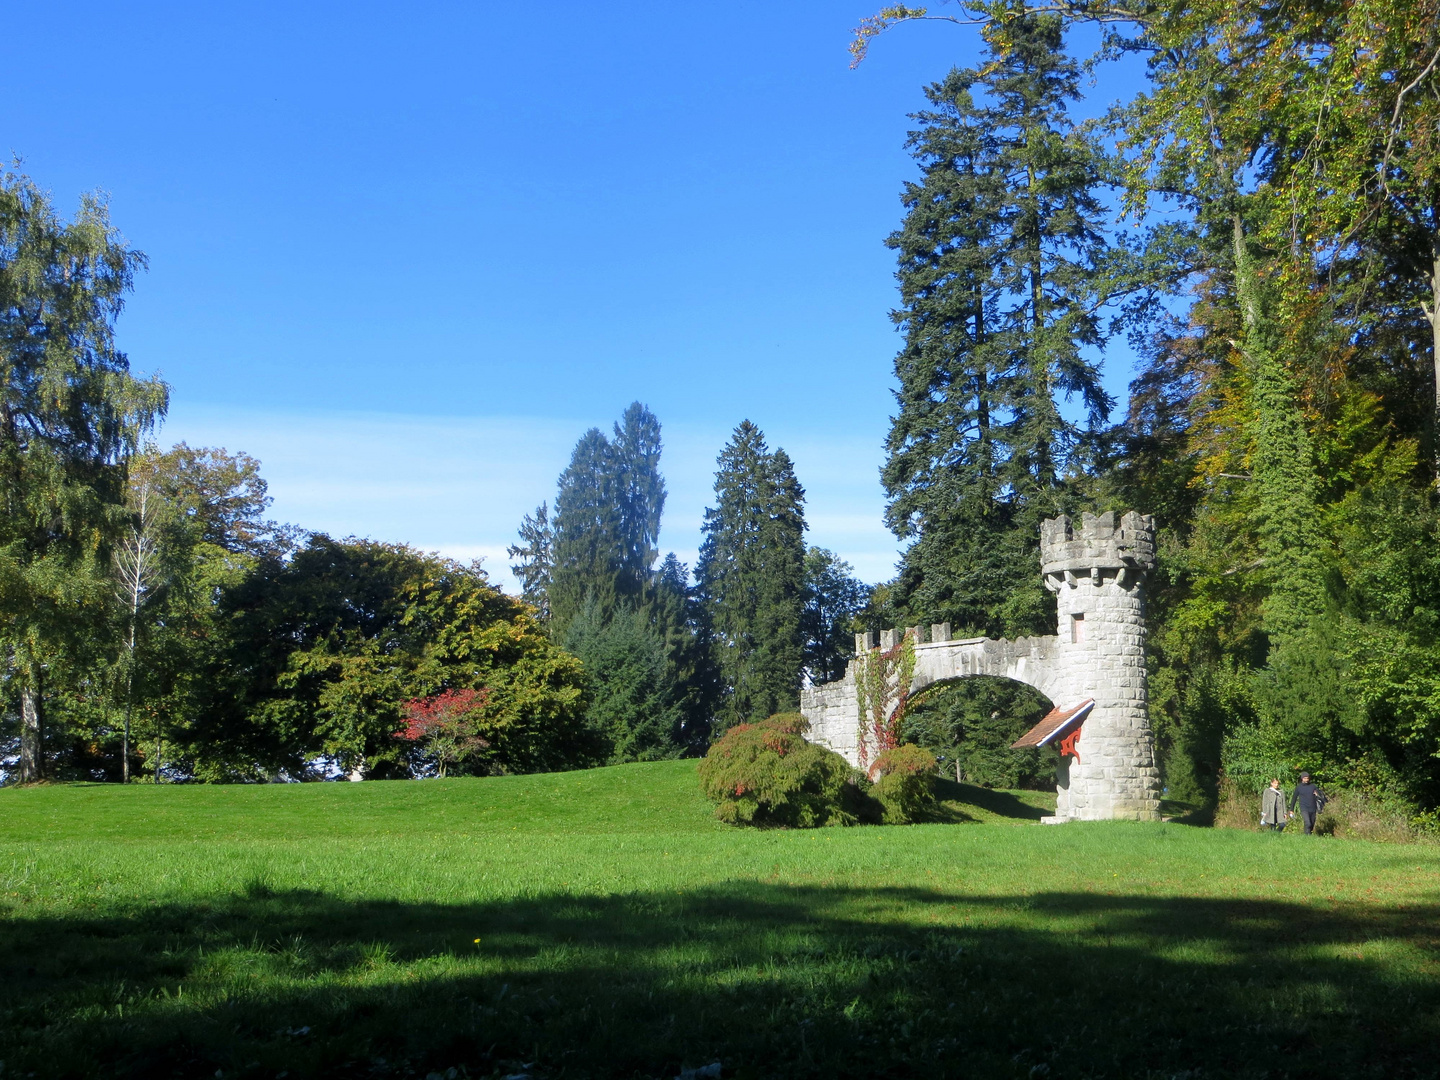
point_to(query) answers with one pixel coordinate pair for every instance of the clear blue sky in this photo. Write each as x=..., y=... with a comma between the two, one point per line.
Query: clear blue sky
x=406, y=253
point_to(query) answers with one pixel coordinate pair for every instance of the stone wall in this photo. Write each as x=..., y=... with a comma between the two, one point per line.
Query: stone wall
x=1097, y=574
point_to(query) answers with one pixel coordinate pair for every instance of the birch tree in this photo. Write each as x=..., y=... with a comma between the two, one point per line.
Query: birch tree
x=138, y=576
x=71, y=413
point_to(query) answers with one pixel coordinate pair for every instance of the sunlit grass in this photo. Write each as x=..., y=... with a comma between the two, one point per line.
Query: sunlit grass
x=332, y=930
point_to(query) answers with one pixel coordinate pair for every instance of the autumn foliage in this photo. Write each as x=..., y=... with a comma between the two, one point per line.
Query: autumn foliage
x=766, y=773
x=448, y=725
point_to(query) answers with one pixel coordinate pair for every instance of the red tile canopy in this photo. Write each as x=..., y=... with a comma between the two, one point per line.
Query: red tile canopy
x=1060, y=726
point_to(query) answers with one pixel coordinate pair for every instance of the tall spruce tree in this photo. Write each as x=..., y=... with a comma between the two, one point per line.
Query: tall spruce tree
x=535, y=559
x=607, y=519
x=1002, y=272
x=752, y=579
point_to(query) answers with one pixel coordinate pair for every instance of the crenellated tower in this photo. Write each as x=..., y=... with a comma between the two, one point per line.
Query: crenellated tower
x=1093, y=670
x=1097, y=573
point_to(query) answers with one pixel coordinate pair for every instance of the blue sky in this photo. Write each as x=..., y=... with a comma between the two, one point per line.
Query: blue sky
x=406, y=254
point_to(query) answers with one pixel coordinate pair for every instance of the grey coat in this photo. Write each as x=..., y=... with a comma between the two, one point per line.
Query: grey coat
x=1272, y=807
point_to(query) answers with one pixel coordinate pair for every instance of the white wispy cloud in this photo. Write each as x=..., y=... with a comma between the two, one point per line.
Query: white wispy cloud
x=460, y=485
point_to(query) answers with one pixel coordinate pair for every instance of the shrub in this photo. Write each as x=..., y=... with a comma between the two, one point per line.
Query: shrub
x=447, y=725
x=906, y=788
x=1361, y=816
x=767, y=774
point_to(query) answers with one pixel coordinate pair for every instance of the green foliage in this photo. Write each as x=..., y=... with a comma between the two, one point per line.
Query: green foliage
x=1255, y=753
x=536, y=555
x=1003, y=271
x=595, y=564
x=322, y=651
x=751, y=579
x=834, y=598
x=768, y=774
x=634, y=700
x=882, y=692
x=70, y=414
x=607, y=520
x=906, y=788
x=969, y=726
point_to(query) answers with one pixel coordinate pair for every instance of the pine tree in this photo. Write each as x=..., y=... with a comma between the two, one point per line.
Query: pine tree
x=635, y=704
x=1002, y=266
x=677, y=616
x=587, y=531
x=752, y=578
x=536, y=559
x=607, y=519
x=640, y=495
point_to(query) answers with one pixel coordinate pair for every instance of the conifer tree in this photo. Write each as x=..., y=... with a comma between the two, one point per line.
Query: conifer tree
x=1002, y=272
x=607, y=519
x=535, y=555
x=640, y=494
x=635, y=704
x=752, y=578
x=676, y=614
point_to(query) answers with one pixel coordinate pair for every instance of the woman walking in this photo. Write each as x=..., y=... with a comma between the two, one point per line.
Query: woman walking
x=1273, y=814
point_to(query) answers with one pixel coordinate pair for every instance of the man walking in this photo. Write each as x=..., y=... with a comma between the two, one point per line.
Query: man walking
x=1309, y=799
x=1272, y=807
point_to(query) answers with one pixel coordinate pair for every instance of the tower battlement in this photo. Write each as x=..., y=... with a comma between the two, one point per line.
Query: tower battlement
x=1099, y=544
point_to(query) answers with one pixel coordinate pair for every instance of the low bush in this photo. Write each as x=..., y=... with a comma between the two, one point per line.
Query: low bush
x=1360, y=816
x=766, y=773
x=1236, y=808
x=906, y=788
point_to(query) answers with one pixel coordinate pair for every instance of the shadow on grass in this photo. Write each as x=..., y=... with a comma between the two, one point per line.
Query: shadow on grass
x=770, y=980
x=1000, y=803
x=1187, y=813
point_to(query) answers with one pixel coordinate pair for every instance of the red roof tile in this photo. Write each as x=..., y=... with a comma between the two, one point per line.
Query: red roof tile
x=1056, y=724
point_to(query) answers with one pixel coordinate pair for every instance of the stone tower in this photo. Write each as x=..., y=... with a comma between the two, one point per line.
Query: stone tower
x=1093, y=670
x=1097, y=573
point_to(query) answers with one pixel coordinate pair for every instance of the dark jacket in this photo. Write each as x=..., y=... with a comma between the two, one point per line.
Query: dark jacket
x=1307, y=797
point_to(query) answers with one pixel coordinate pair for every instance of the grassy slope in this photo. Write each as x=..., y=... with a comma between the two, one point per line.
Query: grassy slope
x=330, y=929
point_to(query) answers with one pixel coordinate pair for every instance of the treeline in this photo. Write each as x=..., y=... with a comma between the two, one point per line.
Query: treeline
x=1263, y=223
x=156, y=625
x=671, y=661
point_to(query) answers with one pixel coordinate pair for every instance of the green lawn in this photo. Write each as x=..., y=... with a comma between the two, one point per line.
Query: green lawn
x=332, y=930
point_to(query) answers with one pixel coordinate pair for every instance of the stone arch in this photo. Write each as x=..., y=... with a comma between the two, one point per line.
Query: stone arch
x=965, y=700
x=923, y=692
x=1031, y=661
x=834, y=709
x=1096, y=573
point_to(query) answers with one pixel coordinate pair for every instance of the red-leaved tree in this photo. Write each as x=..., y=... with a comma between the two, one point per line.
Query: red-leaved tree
x=447, y=725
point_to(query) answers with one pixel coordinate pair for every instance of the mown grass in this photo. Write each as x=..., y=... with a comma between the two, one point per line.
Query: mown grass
x=332, y=930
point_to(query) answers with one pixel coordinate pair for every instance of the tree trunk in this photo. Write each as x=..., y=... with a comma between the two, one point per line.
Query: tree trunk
x=129, y=700
x=32, y=734
x=1433, y=314
x=1039, y=364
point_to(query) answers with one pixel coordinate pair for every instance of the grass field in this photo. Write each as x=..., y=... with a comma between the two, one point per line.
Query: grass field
x=602, y=924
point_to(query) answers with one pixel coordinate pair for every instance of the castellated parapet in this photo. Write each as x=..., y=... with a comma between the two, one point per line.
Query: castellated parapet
x=1097, y=574
x=1098, y=546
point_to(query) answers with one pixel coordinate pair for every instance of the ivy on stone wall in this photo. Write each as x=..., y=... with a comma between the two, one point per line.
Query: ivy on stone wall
x=882, y=688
